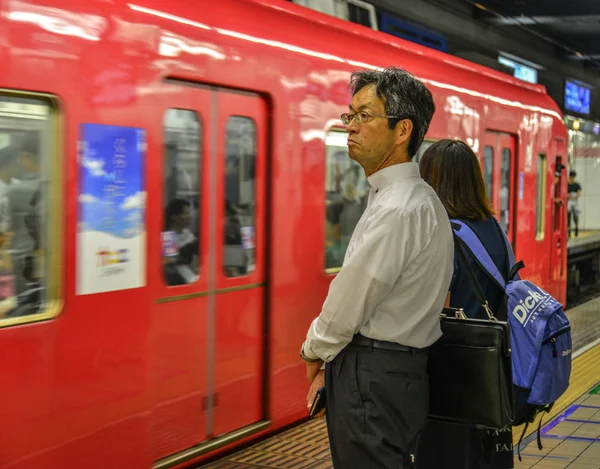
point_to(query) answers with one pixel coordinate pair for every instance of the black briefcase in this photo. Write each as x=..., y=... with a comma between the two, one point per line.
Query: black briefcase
x=470, y=366
x=470, y=372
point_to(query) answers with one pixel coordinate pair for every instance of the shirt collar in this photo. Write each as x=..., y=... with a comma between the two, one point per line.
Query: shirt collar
x=387, y=176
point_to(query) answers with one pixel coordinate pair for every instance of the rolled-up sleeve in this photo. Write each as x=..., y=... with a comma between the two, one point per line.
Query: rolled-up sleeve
x=368, y=275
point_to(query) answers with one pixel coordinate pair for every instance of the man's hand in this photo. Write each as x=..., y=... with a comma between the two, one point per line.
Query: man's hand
x=317, y=384
x=312, y=369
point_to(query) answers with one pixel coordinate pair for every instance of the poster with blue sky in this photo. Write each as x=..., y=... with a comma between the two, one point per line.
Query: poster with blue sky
x=111, y=228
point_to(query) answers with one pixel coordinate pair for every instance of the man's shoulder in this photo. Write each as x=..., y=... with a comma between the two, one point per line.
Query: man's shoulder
x=411, y=196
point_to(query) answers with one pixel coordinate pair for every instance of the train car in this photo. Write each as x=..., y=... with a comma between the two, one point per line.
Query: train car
x=176, y=197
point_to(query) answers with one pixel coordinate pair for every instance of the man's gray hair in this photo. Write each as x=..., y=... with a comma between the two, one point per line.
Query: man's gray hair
x=403, y=96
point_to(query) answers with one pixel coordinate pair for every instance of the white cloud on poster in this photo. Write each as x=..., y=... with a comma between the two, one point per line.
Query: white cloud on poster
x=88, y=199
x=95, y=167
x=137, y=200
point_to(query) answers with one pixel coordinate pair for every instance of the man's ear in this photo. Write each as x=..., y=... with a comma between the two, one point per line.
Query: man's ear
x=403, y=131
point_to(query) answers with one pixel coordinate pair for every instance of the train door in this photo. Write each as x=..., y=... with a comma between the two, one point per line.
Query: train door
x=209, y=308
x=179, y=242
x=499, y=169
x=240, y=269
x=558, y=244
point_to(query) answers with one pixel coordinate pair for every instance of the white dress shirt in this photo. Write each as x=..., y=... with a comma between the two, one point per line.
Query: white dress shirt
x=396, y=271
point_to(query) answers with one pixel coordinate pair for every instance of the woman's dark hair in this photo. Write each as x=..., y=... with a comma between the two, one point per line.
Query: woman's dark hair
x=174, y=208
x=452, y=169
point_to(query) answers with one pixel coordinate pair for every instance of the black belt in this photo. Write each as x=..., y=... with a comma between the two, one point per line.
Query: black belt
x=384, y=345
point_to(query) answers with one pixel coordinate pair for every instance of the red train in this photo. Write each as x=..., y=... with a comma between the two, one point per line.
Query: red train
x=179, y=200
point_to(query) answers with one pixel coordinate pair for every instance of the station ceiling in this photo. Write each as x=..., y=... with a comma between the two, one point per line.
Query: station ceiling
x=573, y=26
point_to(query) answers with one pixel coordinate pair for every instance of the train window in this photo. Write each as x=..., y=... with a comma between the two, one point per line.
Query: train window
x=346, y=195
x=540, y=197
x=28, y=204
x=182, y=169
x=505, y=173
x=240, y=197
x=488, y=171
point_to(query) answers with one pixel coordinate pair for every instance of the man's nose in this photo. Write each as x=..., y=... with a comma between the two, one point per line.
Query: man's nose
x=352, y=127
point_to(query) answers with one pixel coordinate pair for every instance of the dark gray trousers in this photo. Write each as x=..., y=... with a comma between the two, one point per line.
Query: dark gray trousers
x=377, y=403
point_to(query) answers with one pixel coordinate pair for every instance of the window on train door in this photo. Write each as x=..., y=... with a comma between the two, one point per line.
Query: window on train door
x=540, y=201
x=29, y=200
x=182, y=170
x=505, y=186
x=240, y=197
x=346, y=196
x=488, y=171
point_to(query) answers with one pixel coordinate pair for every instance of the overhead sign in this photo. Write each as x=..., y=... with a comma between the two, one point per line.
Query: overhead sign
x=111, y=230
x=520, y=71
x=577, y=97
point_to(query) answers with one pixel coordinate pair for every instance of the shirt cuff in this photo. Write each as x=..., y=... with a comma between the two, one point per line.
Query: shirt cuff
x=308, y=353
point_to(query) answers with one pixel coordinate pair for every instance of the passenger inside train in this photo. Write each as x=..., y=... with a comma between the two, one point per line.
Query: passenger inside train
x=182, y=268
x=22, y=217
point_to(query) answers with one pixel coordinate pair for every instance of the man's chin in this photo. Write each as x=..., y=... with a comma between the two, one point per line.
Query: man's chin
x=352, y=154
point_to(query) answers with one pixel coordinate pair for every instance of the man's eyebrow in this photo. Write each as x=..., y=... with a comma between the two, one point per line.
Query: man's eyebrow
x=360, y=108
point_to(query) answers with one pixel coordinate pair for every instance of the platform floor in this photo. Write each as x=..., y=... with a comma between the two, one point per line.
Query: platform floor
x=571, y=440
x=570, y=433
x=585, y=237
x=585, y=325
x=585, y=234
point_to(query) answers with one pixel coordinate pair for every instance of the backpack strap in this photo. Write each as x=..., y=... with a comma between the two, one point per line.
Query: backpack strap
x=478, y=251
x=513, y=267
x=460, y=250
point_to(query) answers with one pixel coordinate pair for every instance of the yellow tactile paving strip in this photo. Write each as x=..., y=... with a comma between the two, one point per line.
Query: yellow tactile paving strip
x=583, y=234
x=306, y=446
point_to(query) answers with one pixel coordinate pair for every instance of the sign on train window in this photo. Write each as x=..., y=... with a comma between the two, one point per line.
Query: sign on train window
x=346, y=196
x=240, y=197
x=28, y=274
x=180, y=238
x=111, y=227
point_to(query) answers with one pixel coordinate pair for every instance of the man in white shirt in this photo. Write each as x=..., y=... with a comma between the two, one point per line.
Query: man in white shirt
x=383, y=308
x=178, y=218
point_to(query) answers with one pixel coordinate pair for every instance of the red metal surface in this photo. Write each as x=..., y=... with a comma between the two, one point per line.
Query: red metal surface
x=119, y=380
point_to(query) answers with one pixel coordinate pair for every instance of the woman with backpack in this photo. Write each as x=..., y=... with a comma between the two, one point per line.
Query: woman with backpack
x=452, y=169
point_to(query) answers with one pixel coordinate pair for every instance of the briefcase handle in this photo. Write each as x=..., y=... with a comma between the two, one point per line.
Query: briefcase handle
x=459, y=313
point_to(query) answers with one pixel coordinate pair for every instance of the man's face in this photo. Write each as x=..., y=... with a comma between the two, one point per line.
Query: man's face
x=371, y=142
x=184, y=219
x=571, y=179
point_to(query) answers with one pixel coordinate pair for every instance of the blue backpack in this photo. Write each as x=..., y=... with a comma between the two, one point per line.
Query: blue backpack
x=540, y=332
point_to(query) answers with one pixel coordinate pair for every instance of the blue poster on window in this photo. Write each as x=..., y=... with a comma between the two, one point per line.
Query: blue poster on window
x=111, y=227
